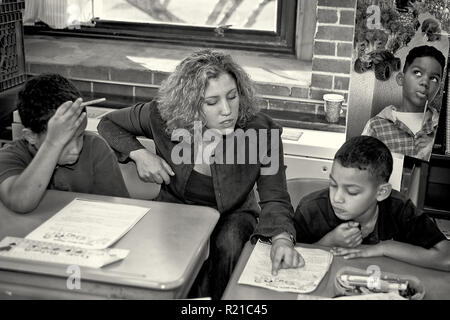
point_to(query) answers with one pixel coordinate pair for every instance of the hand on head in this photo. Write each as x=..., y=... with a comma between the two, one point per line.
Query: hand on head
x=65, y=122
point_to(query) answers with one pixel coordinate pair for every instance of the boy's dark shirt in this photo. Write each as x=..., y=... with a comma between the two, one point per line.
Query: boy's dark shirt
x=96, y=171
x=397, y=220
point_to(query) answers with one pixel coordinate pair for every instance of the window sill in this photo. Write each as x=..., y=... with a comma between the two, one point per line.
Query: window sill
x=140, y=56
x=133, y=71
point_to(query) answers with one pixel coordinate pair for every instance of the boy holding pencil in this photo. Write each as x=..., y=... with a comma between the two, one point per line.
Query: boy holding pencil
x=55, y=152
x=360, y=207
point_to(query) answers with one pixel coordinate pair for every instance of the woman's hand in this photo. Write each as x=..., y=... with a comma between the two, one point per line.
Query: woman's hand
x=150, y=167
x=284, y=256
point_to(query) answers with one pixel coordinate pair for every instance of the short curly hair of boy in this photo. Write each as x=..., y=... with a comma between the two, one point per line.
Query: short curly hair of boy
x=424, y=51
x=366, y=153
x=40, y=98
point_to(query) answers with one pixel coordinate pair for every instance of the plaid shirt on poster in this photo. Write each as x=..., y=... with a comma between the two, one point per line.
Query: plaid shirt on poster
x=395, y=134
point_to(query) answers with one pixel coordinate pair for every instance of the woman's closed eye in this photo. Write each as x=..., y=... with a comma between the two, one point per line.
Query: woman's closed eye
x=232, y=94
x=214, y=101
x=211, y=102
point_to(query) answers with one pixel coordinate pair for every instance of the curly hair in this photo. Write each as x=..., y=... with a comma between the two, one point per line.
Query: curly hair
x=181, y=95
x=40, y=98
x=366, y=153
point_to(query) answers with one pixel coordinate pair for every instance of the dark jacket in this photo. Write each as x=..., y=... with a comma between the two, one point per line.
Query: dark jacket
x=233, y=183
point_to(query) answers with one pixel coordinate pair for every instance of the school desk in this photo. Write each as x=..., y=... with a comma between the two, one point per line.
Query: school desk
x=437, y=283
x=167, y=248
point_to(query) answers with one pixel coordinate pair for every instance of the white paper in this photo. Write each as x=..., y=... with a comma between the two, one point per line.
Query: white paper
x=19, y=248
x=291, y=134
x=258, y=271
x=397, y=171
x=89, y=224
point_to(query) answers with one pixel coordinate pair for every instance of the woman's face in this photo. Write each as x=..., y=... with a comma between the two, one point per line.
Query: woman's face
x=221, y=103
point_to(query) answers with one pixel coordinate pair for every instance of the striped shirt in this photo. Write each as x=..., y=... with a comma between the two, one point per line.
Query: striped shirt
x=397, y=136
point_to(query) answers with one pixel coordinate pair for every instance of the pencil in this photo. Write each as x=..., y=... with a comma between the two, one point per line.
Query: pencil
x=425, y=111
x=88, y=103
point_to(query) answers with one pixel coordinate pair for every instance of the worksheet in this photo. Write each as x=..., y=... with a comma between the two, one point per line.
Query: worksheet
x=258, y=271
x=89, y=224
x=45, y=252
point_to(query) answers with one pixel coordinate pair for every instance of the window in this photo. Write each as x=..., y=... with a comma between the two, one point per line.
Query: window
x=263, y=25
x=238, y=14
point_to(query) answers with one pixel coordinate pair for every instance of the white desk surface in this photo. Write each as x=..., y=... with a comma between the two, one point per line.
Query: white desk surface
x=166, y=246
x=435, y=282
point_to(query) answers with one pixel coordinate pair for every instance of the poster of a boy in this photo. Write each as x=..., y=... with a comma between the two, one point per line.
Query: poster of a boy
x=410, y=128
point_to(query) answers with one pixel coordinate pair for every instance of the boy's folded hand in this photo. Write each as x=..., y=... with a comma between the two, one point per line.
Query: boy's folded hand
x=346, y=235
x=370, y=251
x=65, y=122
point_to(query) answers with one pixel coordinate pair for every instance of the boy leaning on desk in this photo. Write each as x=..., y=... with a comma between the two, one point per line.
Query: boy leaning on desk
x=55, y=152
x=360, y=207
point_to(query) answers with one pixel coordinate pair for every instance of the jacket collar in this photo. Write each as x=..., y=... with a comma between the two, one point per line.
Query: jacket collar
x=429, y=124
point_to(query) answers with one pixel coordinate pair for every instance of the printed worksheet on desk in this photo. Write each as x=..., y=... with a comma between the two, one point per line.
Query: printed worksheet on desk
x=89, y=224
x=45, y=252
x=258, y=270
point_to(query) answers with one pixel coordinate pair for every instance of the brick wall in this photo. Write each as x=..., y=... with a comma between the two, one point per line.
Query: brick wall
x=126, y=87
x=143, y=84
x=333, y=45
x=331, y=62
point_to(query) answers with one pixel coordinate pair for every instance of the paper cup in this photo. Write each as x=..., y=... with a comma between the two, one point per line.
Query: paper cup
x=333, y=106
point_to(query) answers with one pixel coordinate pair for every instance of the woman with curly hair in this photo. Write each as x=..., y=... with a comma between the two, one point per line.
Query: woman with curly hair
x=209, y=92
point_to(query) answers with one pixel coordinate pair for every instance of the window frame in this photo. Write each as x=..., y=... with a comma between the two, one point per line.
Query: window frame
x=281, y=41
